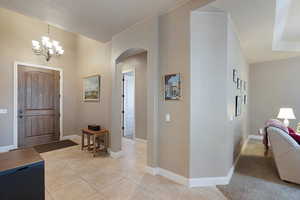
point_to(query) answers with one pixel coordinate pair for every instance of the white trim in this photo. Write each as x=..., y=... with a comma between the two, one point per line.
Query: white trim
x=115, y=155
x=200, y=182
x=70, y=137
x=256, y=137
x=155, y=171
x=151, y=170
x=7, y=148
x=173, y=176
x=141, y=140
x=15, y=116
x=211, y=181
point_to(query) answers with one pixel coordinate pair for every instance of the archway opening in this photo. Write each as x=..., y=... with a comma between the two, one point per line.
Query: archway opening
x=131, y=88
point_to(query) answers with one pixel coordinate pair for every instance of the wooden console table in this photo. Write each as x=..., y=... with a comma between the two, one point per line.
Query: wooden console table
x=95, y=135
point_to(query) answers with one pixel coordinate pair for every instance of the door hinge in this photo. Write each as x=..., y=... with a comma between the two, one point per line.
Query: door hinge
x=123, y=127
x=123, y=96
x=123, y=111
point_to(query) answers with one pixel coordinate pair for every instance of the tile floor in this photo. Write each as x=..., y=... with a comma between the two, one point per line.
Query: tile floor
x=72, y=174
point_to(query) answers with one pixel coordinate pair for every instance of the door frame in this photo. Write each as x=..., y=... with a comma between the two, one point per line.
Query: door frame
x=15, y=115
x=131, y=69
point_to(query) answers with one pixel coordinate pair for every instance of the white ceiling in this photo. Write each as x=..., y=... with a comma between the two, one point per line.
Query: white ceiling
x=255, y=24
x=97, y=19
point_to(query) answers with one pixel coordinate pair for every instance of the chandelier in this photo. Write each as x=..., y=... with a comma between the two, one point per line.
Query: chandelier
x=46, y=47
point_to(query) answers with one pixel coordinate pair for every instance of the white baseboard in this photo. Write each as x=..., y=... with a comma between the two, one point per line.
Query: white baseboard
x=167, y=174
x=173, y=176
x=211, y=181
x=204, y=181
x=152, y=170
x=256, y=137
x=70, y=137
x=7, y=148
x=141, y=140
x=115, y=155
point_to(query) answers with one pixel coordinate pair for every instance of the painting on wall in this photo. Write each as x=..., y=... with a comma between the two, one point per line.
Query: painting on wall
x=91, y=88
x=172, y=87
x=245, y=99
x=241, y=84
x=238, y=83
x=238, y=106
x=235, y=75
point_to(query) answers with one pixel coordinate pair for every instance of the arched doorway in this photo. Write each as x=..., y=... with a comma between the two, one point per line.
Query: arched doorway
x=116, y=119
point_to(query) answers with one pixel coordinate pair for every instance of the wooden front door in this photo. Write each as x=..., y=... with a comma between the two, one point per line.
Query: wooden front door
x=38, y=106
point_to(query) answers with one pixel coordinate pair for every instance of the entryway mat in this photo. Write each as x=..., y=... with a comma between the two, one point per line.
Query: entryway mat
x=54, y=146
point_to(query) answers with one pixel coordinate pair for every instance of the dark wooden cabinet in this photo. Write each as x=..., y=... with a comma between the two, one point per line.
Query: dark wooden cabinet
x=22, y=175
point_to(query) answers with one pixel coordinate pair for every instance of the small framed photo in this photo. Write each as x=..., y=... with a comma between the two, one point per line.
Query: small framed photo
x=245, y=86
x=238, y=83
x=91, y=88
x=241, y=84
x=245, y=99
x=238, y=106
x=234, y=75
x=172, y=86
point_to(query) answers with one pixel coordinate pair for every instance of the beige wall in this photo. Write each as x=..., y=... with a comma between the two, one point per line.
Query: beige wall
x=16, y=33
x=93, y=58
x=175, y=58
x=216, y=134
x=139, y=64
x=274, y=85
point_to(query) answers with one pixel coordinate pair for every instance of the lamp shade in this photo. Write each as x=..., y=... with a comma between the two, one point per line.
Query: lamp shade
x=286, y=113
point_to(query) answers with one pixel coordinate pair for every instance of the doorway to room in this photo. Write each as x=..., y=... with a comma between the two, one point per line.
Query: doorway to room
x=128, y=104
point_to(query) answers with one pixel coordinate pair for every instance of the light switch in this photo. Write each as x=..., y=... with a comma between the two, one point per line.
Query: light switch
x=3, y=111
x=168, y=117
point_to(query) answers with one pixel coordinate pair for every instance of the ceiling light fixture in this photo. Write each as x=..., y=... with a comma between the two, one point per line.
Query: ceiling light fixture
x=46, y=47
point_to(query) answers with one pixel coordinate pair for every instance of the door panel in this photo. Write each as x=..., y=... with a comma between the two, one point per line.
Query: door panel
x=38, y=106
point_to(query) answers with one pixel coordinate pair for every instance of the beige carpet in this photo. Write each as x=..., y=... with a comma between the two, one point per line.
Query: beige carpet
x=256, y=178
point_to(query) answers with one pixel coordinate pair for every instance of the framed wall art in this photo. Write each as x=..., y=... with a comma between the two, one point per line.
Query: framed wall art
x=91, y=88
x=234, y=75
x=238, y=106
x=238, y=83
x=172, y=86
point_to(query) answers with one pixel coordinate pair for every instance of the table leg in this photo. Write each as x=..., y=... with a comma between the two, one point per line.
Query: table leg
x=88, y=142
x=94, y=140
x=106, y=142
x=82, y=141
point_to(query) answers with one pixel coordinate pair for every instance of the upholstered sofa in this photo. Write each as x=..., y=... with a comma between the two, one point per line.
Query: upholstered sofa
x=286, y=152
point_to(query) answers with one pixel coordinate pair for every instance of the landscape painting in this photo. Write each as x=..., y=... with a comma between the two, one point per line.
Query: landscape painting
x=91, y=88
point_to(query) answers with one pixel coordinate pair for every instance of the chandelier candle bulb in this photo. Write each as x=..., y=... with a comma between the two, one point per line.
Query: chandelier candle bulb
x=47, y=47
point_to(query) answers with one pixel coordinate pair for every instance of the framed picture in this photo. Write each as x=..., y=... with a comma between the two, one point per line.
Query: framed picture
x=238, y=83
x=172, y=87
x=238, y=106
x=235, y=75
x=91, y=88
x=241, y=84
x=245, y=99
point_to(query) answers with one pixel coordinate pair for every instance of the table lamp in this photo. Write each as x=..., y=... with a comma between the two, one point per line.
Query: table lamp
x=286, y=114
